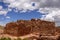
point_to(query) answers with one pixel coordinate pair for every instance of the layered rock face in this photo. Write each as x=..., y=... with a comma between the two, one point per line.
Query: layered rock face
x=24, y=27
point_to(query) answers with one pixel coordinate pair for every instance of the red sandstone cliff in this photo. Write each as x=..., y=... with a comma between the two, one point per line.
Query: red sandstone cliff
x=23, y=27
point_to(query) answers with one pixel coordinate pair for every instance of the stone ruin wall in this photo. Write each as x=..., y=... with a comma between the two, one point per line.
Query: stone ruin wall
x=24, y=27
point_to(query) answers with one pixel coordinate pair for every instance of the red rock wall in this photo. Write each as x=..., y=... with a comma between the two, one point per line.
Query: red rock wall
x=23, y=27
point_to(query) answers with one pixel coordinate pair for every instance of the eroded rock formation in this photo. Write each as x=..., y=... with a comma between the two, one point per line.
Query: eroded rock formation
x=24, y=27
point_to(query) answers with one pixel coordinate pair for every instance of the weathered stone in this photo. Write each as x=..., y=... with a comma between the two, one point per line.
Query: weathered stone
x=24, y=27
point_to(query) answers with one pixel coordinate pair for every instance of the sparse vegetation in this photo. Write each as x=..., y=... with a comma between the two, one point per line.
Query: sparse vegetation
x=25, y=39
x=3, y=38
x=1, y=27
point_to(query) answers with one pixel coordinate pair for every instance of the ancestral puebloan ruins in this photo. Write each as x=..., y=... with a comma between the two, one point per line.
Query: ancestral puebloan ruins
x=24, y=27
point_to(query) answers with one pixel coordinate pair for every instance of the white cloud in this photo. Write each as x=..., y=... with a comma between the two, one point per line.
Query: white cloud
x=0, y=7
x=21, y=4
x=3, y=12
x=53, y=15
x=25, y=5
x=51, y=8
x=8, y=17
x=0, y=0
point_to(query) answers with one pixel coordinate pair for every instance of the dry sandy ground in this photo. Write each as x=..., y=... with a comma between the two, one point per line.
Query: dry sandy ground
x=22, y=37
x=13, y=37
x=26, y=36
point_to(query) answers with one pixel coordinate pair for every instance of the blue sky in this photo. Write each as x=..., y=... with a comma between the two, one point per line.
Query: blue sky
x=14, y=16
x=13, y=10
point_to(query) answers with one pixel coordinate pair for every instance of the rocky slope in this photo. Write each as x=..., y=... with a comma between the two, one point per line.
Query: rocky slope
x=24, y=27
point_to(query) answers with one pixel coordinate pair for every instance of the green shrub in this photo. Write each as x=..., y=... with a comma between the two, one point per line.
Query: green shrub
x=19, y=39
x=3, y=38
x=9, y=38
x=25, y=39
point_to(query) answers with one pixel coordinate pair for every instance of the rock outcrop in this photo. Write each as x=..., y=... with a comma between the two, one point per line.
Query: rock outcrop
x=24, y=27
